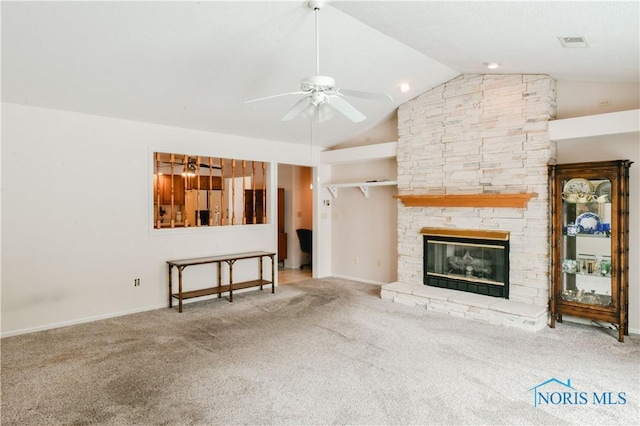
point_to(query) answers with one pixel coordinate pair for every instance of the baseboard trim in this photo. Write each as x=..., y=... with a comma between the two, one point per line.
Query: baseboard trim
x=362, y=280
x=80, y=321
x=116, y=314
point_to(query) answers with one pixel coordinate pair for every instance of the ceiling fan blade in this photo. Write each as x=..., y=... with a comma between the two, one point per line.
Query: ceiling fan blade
x=346, y=108
x=366, y=95
x=208, y=166
x=277, y=96
x=181, y=163
x=300, y=106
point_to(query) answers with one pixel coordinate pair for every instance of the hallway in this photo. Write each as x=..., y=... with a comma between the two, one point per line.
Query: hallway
x=288, y=276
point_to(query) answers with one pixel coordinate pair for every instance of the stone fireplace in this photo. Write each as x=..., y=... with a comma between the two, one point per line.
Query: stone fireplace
x=473, y=154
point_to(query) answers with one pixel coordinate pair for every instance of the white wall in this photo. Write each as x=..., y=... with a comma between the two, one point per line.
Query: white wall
x=76, y=215
x=322, y=259
x=580, y=98
x=363, y=234
x=382, y=132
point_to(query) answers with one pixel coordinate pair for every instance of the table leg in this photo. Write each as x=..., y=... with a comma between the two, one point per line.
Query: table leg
x=219, y=279
x=231, y=262
x=273, y=277
x=170, y=287
x=180, y=268
x=260, y=269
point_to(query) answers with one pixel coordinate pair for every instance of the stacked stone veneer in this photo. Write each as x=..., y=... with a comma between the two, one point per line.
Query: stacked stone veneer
x=480, y=134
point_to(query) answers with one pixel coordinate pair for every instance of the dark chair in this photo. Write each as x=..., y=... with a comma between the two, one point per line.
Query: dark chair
x=306, y=238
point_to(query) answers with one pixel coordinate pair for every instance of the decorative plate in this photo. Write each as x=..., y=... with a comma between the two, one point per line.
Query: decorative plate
x=588, y=222
x=578, y=186
x=604, y=189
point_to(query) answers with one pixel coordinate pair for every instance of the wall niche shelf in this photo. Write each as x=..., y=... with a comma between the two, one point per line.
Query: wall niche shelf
x=364, y=186
x=467, y=200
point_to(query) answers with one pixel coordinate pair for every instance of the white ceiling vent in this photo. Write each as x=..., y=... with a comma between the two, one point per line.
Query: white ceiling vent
x=573, y=42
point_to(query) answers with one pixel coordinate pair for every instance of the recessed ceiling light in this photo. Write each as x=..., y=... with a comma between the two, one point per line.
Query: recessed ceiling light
x=491, y=65
x=405, y=87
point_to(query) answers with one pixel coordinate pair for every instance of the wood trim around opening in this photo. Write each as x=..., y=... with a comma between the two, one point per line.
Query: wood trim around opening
x=517, y=201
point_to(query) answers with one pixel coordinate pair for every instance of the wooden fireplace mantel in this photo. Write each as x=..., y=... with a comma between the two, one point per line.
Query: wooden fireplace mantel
x=516, y=201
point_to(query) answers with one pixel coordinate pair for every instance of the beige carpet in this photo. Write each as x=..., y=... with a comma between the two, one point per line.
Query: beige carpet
x=326, y=351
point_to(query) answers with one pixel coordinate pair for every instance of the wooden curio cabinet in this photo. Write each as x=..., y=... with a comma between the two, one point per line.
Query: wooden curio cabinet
x=590, y=242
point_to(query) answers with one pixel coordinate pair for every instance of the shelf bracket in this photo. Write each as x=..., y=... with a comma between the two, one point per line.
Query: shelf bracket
x=333, y=190
x=365, y=190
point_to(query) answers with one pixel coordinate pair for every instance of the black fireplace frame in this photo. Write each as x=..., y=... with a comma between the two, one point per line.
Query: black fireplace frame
x=471, y=237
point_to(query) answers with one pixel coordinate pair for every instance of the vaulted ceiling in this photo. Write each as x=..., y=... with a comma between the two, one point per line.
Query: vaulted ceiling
x=194, y=64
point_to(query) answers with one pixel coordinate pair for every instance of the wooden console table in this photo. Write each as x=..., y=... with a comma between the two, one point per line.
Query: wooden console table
x=229, y=259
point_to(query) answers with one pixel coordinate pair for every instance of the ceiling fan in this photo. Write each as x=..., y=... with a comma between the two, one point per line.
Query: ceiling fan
x=321, y=93
x=191, y=165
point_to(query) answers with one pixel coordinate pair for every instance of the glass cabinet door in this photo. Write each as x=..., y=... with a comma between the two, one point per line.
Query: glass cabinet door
x=586, y=241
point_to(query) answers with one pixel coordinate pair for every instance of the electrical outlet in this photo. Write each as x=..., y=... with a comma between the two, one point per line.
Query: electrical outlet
x=604, y=103
x=136, y=282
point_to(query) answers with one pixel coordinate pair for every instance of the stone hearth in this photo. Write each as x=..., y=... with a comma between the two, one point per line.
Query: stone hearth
x=467, y=305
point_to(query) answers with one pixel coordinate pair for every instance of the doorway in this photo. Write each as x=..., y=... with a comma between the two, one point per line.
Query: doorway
x=297, y=213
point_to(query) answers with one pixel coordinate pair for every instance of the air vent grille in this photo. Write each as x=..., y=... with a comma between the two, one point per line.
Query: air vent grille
x=570, y=42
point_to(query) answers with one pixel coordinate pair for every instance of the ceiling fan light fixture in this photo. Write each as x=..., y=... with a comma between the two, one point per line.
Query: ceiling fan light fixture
x=191, y=168
x=318, y=97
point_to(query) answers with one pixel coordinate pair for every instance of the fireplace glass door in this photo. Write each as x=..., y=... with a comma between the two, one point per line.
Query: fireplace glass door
x=467, y=264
